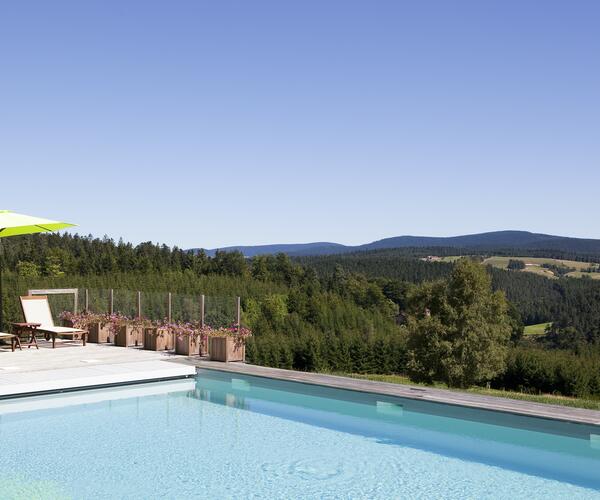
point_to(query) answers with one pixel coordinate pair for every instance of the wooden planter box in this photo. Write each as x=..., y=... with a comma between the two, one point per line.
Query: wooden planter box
x=204, y=347
x=225, y=349
x=188, y=345
x=158, y=339
x=100, y=333
x=97, y=333
x=128, y=336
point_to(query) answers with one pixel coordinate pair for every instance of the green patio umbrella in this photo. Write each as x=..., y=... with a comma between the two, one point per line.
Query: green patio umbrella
x=12, y=224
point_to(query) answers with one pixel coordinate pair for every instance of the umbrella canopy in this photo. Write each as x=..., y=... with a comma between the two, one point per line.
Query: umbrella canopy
x=12, y=224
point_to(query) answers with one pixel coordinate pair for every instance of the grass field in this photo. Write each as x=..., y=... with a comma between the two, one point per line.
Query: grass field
x=590, y=404
x=502, y=262
x=534, y=265
x=538, y=329
x=579, y=274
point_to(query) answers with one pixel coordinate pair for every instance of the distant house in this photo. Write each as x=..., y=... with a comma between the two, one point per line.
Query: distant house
x=431, y=258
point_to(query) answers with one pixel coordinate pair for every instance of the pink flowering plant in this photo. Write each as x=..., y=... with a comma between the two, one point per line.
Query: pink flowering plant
x=83, y=320
x=115, y=322
x=158, y=327
x=183, y=328
x=195, y=329
x=239, y=333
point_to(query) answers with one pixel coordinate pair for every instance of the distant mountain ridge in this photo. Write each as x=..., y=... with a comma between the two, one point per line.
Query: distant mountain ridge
x=482, y=241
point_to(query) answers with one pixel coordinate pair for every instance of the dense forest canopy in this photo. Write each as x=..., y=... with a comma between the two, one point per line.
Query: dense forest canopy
x=344, y=313
x=537, y=298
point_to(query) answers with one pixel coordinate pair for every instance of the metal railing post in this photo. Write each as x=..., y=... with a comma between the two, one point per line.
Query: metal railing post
x=202, y=311
x=169, y=307
x=203, y=343
x=170, y=317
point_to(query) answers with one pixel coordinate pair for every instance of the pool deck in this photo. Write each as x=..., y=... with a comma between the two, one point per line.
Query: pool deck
x=70, y=367
x=540, y=410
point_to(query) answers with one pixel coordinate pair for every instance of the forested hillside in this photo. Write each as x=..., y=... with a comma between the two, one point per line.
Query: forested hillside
x=505, y=241
x=344, y=313
x=537, y=298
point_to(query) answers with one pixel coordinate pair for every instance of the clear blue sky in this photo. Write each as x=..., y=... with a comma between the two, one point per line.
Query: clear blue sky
x=215, y=123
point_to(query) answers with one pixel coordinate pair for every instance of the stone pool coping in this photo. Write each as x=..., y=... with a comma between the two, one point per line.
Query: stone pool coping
x=492, y=403
x=67, y=368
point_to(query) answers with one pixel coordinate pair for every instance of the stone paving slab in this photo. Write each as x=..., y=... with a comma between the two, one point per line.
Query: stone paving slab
x=73, y=366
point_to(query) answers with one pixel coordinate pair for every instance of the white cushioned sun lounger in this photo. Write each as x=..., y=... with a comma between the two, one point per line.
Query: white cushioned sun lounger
x=36, y=309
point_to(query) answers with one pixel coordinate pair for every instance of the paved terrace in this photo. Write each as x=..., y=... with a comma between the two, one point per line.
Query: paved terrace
x=553, y=412
x=72, y=366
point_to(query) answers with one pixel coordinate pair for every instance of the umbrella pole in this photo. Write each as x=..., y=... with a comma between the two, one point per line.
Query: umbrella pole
x=1, y=291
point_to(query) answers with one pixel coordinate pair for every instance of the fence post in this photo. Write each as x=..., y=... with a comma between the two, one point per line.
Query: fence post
x=139, y=304
x=169, y=308
x=203, y=343
x=202, y=311
x=87, y=300
x=239, y=314
x=111, y=301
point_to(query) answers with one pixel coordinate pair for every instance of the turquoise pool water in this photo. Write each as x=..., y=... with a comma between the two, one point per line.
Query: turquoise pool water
x=224, y=436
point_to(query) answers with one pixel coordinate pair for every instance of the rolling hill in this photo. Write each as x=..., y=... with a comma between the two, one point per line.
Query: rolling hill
x=523, y=240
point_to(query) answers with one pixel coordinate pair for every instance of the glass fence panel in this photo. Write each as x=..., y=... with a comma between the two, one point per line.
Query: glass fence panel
x=185, y=307
x=59, y=303
x=125, y=302
x=155, y=305
x=220, y=311
x=98, y=300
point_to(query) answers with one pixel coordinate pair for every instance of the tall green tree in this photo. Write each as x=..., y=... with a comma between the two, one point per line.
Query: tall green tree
x=459, y=329
x=52, y=266
x=28, y=269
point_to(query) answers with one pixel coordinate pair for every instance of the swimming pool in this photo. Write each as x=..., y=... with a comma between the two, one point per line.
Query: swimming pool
x=230, y=436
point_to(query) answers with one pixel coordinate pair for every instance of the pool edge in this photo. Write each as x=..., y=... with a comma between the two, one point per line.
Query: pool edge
x=468, y=400
x=65, y=390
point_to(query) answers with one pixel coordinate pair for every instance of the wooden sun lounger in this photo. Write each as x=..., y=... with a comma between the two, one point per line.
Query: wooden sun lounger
x=36, y=309
x=14, y=340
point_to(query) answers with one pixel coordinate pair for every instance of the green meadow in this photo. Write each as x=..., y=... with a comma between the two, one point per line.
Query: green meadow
x=539, y=329
x=535, y=265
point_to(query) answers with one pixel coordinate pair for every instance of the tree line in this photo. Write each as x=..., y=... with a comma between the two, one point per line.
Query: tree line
x=375, y=312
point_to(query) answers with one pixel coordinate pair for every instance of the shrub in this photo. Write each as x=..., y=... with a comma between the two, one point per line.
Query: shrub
x=348, y=352
x=556, y=372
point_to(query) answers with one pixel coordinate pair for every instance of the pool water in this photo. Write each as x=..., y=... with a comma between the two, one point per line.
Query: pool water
x=230, y=436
